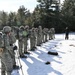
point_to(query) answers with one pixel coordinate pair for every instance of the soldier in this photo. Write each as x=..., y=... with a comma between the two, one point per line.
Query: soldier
x=43, y=32
x=46, y=33
x=39, y=36
x=12, y=40
x=52, y=33
x=5, y=52
x=32, y=39
x=16, y=31
x=67, y=33
x=49, y=33
x=26, y=36
x=21, y=42
x=36, y=35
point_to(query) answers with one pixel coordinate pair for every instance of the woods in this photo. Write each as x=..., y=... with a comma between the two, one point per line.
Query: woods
x=48, y=13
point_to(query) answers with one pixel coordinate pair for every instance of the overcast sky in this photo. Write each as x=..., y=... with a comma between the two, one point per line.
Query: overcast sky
x=13, y=5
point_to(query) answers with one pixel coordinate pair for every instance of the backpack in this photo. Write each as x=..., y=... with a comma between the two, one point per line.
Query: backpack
x=1, y=43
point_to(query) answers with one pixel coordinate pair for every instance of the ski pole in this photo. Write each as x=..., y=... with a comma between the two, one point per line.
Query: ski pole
x=20, y=63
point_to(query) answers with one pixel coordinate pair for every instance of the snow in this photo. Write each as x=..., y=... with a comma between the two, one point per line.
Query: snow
x=63, y=64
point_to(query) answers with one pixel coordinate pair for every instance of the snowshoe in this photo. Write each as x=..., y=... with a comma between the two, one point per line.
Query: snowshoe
x=32, y=49
x=47, y=63
x=52, y=53
x=27, y=52
x=23, y=56
x=15, y=67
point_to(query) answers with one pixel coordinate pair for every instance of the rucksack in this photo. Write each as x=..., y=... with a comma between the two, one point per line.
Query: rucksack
x=1, y=42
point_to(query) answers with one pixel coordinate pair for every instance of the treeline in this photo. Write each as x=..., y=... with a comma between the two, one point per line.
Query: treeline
x=48, y=13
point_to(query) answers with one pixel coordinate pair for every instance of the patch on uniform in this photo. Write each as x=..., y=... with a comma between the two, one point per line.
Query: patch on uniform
x=25, y=33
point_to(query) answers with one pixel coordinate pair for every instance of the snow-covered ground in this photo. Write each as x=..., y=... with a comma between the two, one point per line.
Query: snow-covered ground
x=63, y=64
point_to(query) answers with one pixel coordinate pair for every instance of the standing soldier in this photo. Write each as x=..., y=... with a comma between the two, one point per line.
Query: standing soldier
x=43, y=32
x=5, y=52
x=36, y=35
x=39, y=39
x=32, y=39
x=52, y=33
x=16, y=31
x=67, y=33
x=26, y=36
x=40, y=34
x=46, y=32
x=12, y=40
x=49, y=32
x=21, y=42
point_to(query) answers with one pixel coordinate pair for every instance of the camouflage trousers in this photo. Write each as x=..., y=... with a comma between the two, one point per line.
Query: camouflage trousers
x=32, y=43
x=20, y=43
x=6, y=64
x=25, y=44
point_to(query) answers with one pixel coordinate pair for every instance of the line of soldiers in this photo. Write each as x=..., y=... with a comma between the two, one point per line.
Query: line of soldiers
x=36, y=37
x=24, y=35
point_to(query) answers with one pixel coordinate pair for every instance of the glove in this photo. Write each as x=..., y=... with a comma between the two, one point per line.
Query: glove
x=15, y=48
x=11, y=44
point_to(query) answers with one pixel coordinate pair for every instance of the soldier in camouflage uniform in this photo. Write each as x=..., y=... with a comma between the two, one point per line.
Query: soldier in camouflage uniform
x=38, y=41
x=21, y=42
x=36, y=35
x=12, y=40
x=49, y=32
x=26, y=36
x=46, y=34
x=16, y=31
x=32, y=39
x=5, y=52
x=39, y=36
x=52, y=33
x=43, y=34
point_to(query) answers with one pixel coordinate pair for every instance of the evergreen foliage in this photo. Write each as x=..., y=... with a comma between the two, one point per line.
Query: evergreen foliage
x=48, y=13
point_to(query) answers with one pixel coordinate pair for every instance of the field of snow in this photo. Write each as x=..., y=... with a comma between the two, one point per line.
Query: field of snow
x=63, y=64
